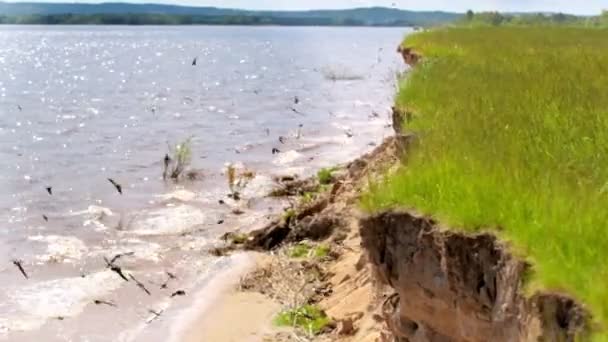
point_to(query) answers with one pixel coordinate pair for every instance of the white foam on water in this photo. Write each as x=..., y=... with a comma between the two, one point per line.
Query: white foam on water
x=170, y=220
x=194, y=243
x=259, y=186
x=31, y=306
x=142, y=250
x=95, y=216
x=60, y=248
x=287, y=157
x=180, y=195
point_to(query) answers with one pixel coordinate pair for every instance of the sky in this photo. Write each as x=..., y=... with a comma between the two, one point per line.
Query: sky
x=567, y=6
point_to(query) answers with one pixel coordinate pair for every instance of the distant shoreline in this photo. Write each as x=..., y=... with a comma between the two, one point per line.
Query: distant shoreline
x=165, y=20
x=160, y=14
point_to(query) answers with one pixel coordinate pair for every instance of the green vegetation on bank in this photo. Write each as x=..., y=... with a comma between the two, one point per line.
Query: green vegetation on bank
x=513, y=130
x=309, y=318
x=532, y=19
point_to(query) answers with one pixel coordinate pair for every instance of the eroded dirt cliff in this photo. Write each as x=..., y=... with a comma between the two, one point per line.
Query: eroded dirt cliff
x=453, y=286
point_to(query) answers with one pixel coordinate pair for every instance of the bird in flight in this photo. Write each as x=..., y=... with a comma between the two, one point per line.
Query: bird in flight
x=116, y=185
x=194, y=61
x=120, y=255
x=275, y=150
x=178, y=293
x=104, y=302
x=115, y=268
x=46, y=218
x=139, y=284
x=20, y=267
x=156, y=315
x=49, y=189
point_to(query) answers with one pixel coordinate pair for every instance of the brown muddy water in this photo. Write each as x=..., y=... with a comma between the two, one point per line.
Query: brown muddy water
x=79, y=105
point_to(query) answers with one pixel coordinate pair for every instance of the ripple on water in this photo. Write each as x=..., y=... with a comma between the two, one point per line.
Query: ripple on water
x=169, y=220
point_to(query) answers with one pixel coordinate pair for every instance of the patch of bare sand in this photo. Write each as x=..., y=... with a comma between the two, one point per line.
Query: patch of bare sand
x=236, y=317
x=233, y=315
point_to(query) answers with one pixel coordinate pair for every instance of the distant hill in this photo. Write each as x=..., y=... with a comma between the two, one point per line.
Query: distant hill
x=125, y=13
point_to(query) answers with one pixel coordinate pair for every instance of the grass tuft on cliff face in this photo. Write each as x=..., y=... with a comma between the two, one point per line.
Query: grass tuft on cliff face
x=513, y=128
x=309, y=318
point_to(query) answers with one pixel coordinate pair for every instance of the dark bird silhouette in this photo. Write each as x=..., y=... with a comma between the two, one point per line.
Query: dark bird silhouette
x=296, y=111
x=104, y=302
x=46, y=218
x=296, y=100
x=115, y=268
x=140, y=285
x=49, y=189
x=171, y=276
x=156, y=315
x=282, y=139
x=60, y=318
x=20, y=267
x=275, y=150
x=349, y=133
x=220, y=221
x=221, y=202
x=120, y=255
x=194, y=61
x=116, y=185
x=19, y=107
x=178, y=293
x=167, y=161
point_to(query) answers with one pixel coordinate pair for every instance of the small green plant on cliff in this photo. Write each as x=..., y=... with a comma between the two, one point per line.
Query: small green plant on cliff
x=309, y=318
x=289, y=214
x=325, y=175
x=307, y=250
x=299, y=250
x=513, y=133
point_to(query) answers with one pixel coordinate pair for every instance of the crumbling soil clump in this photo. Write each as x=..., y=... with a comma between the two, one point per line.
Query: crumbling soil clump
x=451, y=286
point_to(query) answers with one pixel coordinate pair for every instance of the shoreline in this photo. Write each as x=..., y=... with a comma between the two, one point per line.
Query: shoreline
x=338, y=283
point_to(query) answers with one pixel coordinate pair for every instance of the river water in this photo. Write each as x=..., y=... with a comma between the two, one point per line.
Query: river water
x=79, y=105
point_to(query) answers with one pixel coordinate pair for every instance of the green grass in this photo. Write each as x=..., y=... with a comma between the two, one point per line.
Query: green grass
x=299, y=250
x=513, y=125
x=325, y=175
x=307, y=317
x=305, y=250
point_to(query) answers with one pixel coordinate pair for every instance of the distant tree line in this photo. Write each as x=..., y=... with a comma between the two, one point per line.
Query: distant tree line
x=165, y=19
x=538, y=19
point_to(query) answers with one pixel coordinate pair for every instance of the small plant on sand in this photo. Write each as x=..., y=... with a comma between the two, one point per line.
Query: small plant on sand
x=289, y=214
x=306, y=250
x=300, y=250
x=239, y=238
x=236, y=182
x=321, y=251
x=309, y=318
x=180, y=160
x=325, y=175
x=307, y=198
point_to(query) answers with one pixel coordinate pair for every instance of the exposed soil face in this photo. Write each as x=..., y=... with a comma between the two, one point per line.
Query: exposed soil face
x=410, y=57
x=457, y=287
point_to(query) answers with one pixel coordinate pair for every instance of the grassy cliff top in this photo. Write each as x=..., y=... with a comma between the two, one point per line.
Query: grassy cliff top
x=513, y=128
